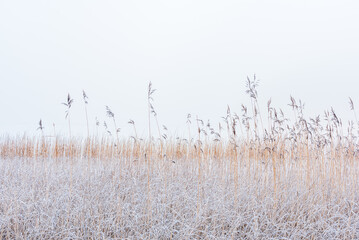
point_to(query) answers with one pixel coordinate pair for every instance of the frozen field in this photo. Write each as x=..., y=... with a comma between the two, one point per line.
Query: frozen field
x=106, y=199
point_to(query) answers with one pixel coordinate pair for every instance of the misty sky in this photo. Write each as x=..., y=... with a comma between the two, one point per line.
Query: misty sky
x=196, y=53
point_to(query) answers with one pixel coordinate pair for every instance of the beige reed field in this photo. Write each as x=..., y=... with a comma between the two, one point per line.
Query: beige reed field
x=248, y=177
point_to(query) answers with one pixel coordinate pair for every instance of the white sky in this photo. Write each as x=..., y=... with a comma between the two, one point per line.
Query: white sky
x=196, y=53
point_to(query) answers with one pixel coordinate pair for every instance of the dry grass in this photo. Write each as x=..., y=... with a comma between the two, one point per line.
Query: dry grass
x=291, y=180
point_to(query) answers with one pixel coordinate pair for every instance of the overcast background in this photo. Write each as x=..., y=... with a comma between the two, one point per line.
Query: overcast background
x=196, y=53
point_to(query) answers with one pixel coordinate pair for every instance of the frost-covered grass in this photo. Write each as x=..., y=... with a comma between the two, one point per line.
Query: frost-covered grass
x=105, y=199
x=285, y=179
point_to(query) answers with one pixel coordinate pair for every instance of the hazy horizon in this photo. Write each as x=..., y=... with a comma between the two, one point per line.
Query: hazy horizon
x=196, y=54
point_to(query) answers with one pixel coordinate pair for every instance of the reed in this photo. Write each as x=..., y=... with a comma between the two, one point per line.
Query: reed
x=85, y=98
x=68, y=105
x=295, y=179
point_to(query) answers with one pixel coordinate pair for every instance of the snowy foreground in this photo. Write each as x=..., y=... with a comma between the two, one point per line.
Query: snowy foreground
x=93, y=199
